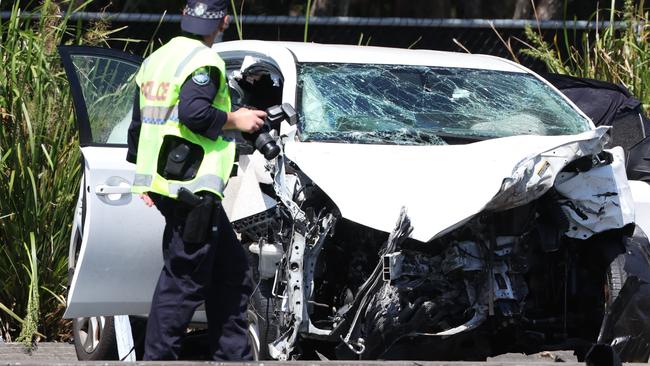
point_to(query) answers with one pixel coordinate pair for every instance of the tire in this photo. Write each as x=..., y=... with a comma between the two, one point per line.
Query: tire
x=94, y=338
x=616, y=277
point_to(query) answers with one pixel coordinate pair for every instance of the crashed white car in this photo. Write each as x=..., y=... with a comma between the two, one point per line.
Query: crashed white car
x=425, y=205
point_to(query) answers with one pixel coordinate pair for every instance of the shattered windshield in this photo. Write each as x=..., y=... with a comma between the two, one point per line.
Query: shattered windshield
x=422, y=105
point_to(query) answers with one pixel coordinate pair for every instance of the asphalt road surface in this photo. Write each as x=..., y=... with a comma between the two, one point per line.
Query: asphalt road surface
x=60, y=354
x=45, y=352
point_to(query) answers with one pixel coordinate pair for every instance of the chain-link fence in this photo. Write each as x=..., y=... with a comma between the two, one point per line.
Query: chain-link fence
x=461, y=35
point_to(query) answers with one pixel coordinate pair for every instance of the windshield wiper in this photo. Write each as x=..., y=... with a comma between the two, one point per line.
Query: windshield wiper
x=458, y=139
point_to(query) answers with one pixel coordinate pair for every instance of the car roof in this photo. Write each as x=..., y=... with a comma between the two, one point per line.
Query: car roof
x=336, y=53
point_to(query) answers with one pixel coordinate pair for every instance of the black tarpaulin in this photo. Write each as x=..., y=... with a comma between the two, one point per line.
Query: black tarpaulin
x=609, y=104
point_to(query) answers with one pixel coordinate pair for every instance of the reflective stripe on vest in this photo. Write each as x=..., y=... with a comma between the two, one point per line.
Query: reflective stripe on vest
x=143, y=180
x=213, y=182
x=187, y=59
x=158, y=115
x=160, y=78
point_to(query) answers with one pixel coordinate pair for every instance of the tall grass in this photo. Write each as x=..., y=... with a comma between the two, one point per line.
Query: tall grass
x=236, y=14
x=617, y=54
x=307, y=15
x=39, y=172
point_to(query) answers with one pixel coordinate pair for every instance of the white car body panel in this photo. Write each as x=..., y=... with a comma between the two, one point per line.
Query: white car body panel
x=120, y=256
x=437, y=191
x=336, y=53
x=117, y=273
x=641, y=195
x=594, y=201
x=243, y=197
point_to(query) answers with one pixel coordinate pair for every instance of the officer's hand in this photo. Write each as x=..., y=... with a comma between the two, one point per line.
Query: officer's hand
x=147, y=200
x=246, y=120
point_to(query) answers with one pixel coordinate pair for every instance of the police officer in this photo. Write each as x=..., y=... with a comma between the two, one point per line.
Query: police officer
x=182, y=165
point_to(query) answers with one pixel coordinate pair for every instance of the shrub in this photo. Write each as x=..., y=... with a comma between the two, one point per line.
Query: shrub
x=618, y=53
x=39, y=171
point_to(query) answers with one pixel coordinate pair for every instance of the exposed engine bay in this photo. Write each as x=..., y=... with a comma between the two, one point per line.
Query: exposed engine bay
x=550, y=260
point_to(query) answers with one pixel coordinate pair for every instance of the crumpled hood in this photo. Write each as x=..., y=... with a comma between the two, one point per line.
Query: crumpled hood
x=440, y=186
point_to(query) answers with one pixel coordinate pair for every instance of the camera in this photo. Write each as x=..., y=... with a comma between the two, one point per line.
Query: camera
x=262, y=139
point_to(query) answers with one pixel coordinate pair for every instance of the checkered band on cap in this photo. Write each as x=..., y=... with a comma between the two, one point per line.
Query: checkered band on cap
x=200, y=12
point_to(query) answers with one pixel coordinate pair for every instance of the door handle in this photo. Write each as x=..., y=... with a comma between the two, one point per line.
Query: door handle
x=103, y=189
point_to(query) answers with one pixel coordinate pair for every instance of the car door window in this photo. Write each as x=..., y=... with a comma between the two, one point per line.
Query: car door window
x=108, y=89
x=103, y=91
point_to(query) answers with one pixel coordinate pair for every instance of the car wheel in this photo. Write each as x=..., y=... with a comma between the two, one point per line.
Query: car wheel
x=616, y=277
x=94, y=338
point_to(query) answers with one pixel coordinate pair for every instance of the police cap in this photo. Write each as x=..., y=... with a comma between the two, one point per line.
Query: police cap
x=202, y=17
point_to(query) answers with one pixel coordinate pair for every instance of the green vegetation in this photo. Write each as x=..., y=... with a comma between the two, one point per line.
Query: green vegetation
x=620, y=55
x=39, y=171
x=236, y=13
x=307, y=14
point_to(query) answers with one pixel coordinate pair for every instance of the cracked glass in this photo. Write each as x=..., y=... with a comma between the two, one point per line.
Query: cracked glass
x=422, y=105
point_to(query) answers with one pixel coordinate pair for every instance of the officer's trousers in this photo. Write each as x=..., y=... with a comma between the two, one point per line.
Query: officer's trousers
x=215, y=272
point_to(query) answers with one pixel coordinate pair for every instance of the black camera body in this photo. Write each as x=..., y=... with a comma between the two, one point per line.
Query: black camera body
x=262, y=139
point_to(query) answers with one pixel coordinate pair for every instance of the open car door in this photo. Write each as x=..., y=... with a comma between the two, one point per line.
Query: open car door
x=119, y=256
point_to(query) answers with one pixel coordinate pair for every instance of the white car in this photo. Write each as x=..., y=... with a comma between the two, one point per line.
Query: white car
x=426, y=205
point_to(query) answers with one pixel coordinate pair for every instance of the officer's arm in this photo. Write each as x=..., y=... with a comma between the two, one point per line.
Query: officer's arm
x=134, y=129
x=195, y=108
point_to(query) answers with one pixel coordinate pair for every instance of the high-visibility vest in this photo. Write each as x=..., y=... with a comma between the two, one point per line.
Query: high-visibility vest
x=160, y=79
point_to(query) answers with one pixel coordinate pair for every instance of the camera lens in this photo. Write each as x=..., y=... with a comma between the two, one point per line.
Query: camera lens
x=270, y=150
x=267, y=146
